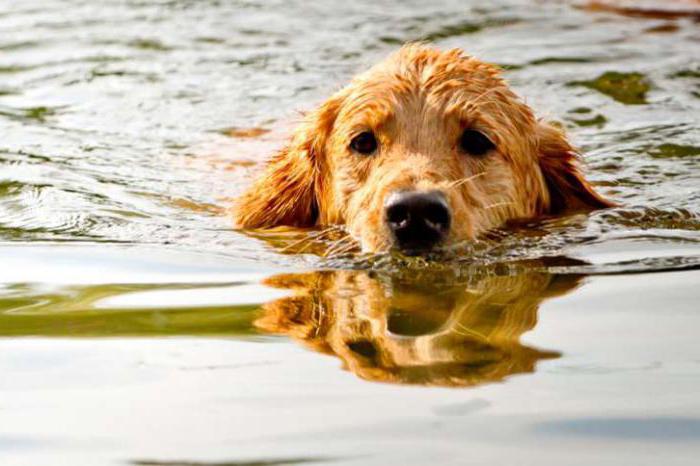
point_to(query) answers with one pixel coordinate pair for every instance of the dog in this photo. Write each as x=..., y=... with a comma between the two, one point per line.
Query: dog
x=426, y=329
x=426, y=150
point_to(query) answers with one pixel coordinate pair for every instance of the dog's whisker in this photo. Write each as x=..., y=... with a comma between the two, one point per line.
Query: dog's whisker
x=462, y=181
x=330, y=251
x=497, y=204
x=341, y=246
x=345, y=250
x=295, y=244
x=305, y=247
x=291, y=247
x=310, y=238
x=351, y=245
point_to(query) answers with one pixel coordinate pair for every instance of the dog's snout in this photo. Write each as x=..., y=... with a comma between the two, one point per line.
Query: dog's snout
x=418, y=220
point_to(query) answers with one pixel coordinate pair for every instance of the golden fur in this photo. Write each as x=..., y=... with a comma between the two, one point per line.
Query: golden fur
x=418, y=102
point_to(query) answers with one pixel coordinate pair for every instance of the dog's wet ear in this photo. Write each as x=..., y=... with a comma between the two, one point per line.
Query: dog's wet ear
x=289, y=192
x=567, y=189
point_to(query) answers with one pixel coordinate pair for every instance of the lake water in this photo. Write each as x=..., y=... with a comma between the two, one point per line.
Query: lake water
x=138, y=328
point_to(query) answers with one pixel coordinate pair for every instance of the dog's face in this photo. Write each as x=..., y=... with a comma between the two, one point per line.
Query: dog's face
x=423, y=151
x=426, y=153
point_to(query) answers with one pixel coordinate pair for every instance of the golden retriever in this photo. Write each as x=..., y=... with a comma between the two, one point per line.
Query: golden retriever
x=426, y=150
x=429, y=329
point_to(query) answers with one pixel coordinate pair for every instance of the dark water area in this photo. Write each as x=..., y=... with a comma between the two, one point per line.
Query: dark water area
x=137, y=327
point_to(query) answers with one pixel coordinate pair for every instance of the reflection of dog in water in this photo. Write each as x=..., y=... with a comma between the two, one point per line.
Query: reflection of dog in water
x=426, y=330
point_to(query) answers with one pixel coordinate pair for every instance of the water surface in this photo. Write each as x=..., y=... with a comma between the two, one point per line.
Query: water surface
x=136, y=327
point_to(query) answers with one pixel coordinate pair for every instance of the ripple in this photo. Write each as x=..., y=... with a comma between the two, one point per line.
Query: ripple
x=646, y=265
x=102, y=132
x=670, y=150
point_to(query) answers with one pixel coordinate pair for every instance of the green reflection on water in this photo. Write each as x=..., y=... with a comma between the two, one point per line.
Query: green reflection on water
x=627, y=88
x=597, y=121
x=75, y=311
x=670, y=150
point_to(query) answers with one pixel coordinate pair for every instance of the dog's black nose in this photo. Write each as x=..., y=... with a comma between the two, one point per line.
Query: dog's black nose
x=418, y=220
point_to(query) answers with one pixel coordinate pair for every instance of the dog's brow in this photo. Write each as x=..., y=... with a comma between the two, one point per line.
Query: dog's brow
x=368, y=115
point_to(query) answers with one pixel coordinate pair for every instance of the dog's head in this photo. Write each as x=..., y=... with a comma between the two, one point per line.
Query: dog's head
x=424, y=150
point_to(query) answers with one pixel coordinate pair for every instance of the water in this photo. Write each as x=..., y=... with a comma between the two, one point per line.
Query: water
x=136, y=327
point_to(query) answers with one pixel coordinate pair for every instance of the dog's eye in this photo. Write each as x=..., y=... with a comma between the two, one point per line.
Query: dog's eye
x=475, y=143
x=364, y=143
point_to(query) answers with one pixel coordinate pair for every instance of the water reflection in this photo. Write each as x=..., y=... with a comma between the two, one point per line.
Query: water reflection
x=95, y=311
x=428, y=328
x=434, y=324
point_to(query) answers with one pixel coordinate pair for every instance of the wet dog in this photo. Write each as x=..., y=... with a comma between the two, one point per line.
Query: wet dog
x=426, y=150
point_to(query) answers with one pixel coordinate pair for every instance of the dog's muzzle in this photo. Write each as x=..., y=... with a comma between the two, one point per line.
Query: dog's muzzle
x=418, y=220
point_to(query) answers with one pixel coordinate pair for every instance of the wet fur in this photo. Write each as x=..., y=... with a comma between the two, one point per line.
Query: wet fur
x=417, y=102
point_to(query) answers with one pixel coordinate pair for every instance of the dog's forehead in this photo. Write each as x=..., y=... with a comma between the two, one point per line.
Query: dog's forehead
x=421, y=77
x=417, y=66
